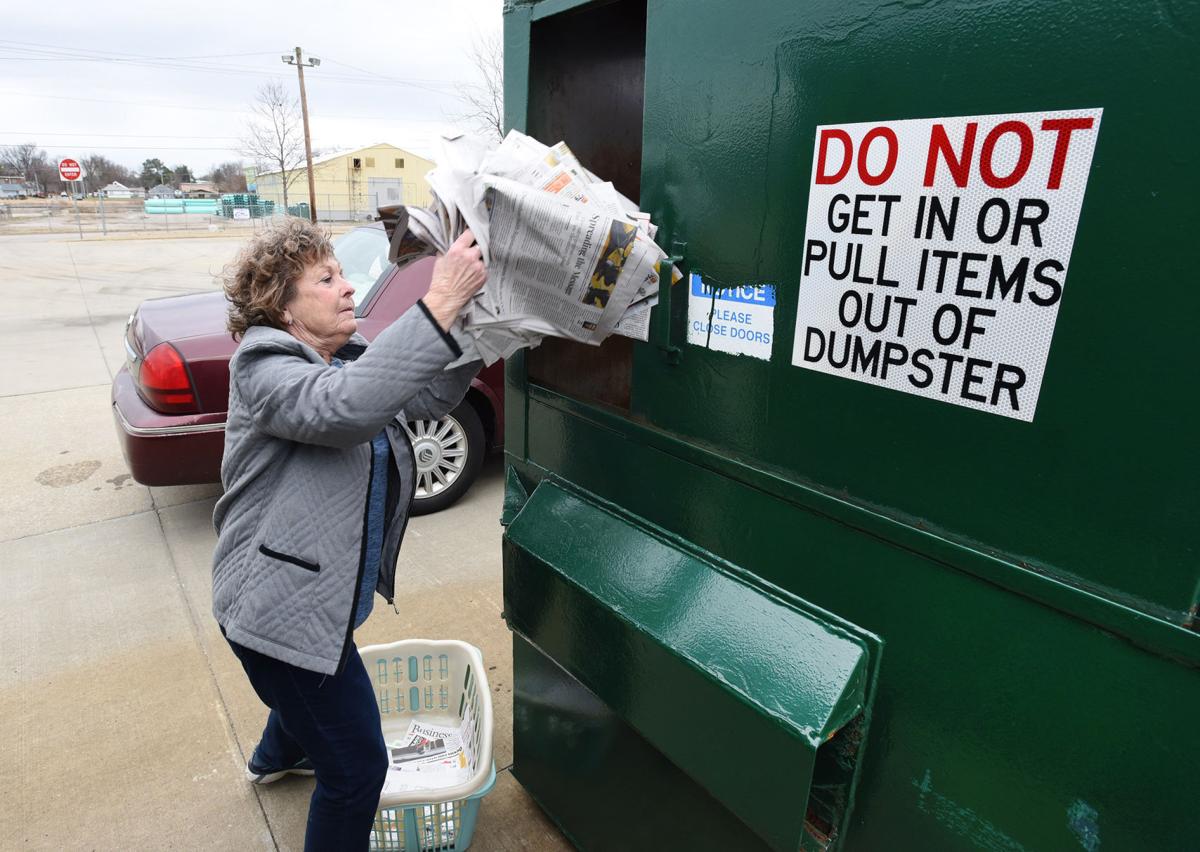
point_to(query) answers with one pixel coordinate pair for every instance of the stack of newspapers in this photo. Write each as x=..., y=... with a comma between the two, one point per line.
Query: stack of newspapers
x=567, y=255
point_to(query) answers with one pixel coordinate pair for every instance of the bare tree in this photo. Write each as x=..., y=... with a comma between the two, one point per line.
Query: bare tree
x=102, y=171
x=485, y=100
x=26, y=160
x=229, y=176
x=274, y=139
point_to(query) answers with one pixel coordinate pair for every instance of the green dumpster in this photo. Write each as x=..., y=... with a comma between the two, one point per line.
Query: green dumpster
x=885, y=539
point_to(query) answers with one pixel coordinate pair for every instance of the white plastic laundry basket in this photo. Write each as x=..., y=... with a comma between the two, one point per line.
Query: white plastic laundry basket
x=442, y=682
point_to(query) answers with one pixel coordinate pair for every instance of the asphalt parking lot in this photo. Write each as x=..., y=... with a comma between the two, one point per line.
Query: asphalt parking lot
x=124, y=717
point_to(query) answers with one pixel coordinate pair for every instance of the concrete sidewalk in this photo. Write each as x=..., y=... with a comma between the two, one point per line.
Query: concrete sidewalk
x=126, y=720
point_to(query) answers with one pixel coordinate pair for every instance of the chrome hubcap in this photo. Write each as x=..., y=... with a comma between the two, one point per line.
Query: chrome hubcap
x=440, y=449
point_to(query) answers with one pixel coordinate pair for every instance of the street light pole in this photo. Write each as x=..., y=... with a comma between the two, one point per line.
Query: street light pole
x=313, y=62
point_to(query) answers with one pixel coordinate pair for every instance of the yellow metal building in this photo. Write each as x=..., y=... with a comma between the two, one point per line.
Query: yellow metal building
x=353, y=184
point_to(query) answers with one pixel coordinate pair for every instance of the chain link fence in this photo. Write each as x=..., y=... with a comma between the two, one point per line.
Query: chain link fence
x=346, y=207
x=92, y=217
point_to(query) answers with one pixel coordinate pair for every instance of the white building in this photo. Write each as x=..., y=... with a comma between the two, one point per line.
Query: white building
x=120, y=190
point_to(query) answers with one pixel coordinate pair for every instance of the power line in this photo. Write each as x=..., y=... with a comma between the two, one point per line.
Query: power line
x=120, y=53
x=153, y=146
x=43, y=53
x=161, y=66
x=216, y=109
x=85, y=52
x=389, y=82
x=114, y=135
x=166, y=66
x=129, y=103
x=371, y=73
x=60, y=50
x=35, y=54
x=148, y=147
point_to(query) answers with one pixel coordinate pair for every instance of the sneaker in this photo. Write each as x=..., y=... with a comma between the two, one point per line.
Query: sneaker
x=265, y=775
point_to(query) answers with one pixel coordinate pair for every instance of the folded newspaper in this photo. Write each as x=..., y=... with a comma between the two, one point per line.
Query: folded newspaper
x=567, y=254
x=426, y=757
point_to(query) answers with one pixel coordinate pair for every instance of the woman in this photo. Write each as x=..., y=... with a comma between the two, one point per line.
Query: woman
x=318, y=475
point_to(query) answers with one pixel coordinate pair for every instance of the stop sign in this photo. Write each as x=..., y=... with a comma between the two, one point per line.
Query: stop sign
x=69, y=169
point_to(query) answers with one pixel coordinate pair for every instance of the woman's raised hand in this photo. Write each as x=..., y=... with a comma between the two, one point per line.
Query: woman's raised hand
x=457, y=276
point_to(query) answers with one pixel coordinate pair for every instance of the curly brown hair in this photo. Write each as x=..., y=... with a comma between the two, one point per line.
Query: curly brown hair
x=262, y=278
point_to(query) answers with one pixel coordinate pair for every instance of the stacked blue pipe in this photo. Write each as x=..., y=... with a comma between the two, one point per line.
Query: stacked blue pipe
x=168, y=206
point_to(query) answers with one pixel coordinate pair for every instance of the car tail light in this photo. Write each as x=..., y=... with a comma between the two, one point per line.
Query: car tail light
x=165, y=383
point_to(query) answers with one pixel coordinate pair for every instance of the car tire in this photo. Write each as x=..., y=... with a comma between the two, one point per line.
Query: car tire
x=448, y=453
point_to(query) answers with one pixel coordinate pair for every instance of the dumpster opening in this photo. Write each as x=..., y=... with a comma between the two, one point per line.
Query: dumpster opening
x=587, y=78
x=832, y=783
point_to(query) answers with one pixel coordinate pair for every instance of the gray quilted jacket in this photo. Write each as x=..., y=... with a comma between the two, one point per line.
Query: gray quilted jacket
x=290, y=526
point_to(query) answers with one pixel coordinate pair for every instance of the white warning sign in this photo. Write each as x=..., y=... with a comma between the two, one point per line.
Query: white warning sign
x=936, y=253
x=738, y=320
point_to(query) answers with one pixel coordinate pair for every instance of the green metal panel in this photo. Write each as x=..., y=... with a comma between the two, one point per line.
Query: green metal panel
x=615, y=791
x=1034, y=582
x=996, y=715
x=1101, y=488
x=693, y=656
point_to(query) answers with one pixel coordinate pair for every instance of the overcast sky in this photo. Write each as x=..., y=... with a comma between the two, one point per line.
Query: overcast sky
x=175, y=81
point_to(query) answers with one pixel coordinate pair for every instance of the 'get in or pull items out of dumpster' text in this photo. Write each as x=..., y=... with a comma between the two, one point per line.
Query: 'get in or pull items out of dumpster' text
x=936, y=253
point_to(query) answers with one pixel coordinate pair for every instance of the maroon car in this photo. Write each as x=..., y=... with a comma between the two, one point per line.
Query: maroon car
x=170, y=398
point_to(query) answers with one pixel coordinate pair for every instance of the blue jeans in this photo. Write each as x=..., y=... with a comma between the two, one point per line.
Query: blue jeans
x=334, y=720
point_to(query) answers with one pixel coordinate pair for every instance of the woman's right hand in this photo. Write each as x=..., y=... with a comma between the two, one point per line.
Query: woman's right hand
x=457, y=276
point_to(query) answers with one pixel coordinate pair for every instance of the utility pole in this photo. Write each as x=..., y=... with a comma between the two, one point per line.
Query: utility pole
x=313, y=62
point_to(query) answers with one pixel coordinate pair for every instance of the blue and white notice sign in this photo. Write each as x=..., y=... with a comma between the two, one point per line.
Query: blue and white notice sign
x=740, y=320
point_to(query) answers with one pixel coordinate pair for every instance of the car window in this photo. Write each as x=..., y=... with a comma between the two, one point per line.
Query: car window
x=363, y=255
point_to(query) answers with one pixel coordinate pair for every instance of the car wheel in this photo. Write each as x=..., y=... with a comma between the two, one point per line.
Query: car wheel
x=449, y=453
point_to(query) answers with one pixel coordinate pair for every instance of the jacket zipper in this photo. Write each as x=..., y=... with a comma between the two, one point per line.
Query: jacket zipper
x=362, y=564
x=412, y=459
